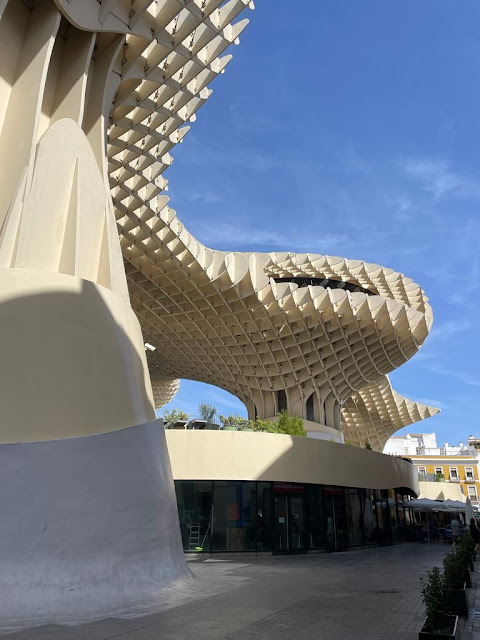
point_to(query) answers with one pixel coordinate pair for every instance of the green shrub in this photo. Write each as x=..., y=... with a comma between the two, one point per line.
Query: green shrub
x=263, y=425
x=290, y=425
x=465, y=549
x=368, y=445
x=173, y=415
x=234, y=421
x=453, y=572
x=433, y=597
x=286, y=424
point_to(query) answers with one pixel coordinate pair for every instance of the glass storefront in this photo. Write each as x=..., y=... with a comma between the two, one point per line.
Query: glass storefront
x=289, y=518
x=233, y=516
x=335, y=518
x=279, y=517
x=356, y=536
x=194, y=501
x=370, y=524
x=264, y=516
x=315, y=522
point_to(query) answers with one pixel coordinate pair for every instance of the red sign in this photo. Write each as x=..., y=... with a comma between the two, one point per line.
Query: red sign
x=287, y=487
x=333, y=491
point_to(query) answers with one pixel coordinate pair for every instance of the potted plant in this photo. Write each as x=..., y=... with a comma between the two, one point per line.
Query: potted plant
x=455, y=586
x=469, y=543
x=438, y=623
x=233, y=423
x=464, y=555
x=248, y=426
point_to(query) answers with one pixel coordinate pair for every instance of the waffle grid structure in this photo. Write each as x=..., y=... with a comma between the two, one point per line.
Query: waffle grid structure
x=133, y=73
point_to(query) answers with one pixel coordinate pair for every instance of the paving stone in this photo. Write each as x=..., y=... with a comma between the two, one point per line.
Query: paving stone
x=369, y=594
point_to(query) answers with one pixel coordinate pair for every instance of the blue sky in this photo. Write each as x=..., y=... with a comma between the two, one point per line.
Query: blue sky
x=352, y=128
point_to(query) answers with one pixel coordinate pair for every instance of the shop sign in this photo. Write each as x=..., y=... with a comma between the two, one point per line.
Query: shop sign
x=286, y=487
x=333, y=491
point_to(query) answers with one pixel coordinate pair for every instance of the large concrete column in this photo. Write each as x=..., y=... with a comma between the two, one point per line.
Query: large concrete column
x=88, y=517
x=88, y=528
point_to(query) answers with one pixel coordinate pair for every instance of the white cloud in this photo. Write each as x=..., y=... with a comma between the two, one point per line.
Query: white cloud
x=244, y=119
x=244, y=235
x=463, y=376
x=434, y=403
x=438, y=178
x=434, y=175
x=448, y=329
x=205, y=196
x=402, y=209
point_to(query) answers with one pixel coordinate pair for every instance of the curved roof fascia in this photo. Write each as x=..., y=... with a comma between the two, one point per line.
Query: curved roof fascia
x=377, y=411
x=212, y=302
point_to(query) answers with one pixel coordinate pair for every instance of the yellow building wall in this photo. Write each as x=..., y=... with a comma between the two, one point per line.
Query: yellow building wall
x=460, y=464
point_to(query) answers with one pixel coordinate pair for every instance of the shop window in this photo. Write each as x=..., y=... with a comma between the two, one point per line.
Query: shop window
x=194, y=502
x=234, y=516
x=383, y=517
x=370, y=517
x=335, y=518
x=264, y=516
x=408, y=513
x=354, y=517
x=393, y=516
x=315, y=517
x=401, y=516
x=380, y=511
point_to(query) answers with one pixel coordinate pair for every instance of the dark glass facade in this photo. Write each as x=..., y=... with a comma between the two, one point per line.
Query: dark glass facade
x=281, y=517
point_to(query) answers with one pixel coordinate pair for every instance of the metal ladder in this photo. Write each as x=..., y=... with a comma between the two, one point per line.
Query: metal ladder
x=194, y=537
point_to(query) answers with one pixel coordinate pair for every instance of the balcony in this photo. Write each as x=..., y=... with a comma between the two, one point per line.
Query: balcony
x=431, y=477
x=470, y=479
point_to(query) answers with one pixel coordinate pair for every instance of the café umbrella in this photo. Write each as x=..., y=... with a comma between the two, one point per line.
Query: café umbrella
x=427, y=505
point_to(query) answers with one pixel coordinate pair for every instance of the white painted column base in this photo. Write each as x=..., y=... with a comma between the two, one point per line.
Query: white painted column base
x=88, y=528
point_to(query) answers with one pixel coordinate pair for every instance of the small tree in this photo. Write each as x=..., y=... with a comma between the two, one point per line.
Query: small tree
x=290, y=425
x=453, y=572
x=465, y=549
x=234, y=421
x=174, y=415
x=207, y=412
x=266, y=426
x=433, y=597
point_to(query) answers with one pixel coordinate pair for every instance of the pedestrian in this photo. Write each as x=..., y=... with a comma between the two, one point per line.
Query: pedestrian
x=475, y=533
x=455, y=525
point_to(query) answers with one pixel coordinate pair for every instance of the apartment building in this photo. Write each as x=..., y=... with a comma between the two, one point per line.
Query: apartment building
x=447, y=463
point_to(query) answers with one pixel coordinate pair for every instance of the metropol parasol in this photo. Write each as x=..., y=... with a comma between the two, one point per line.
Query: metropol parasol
x=94, y=263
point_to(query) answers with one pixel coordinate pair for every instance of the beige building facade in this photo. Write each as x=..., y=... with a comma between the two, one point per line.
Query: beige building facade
x=272, y=493
x=94, y=263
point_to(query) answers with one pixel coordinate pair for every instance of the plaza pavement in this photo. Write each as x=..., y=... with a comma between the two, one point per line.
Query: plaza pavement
x=370, y=593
